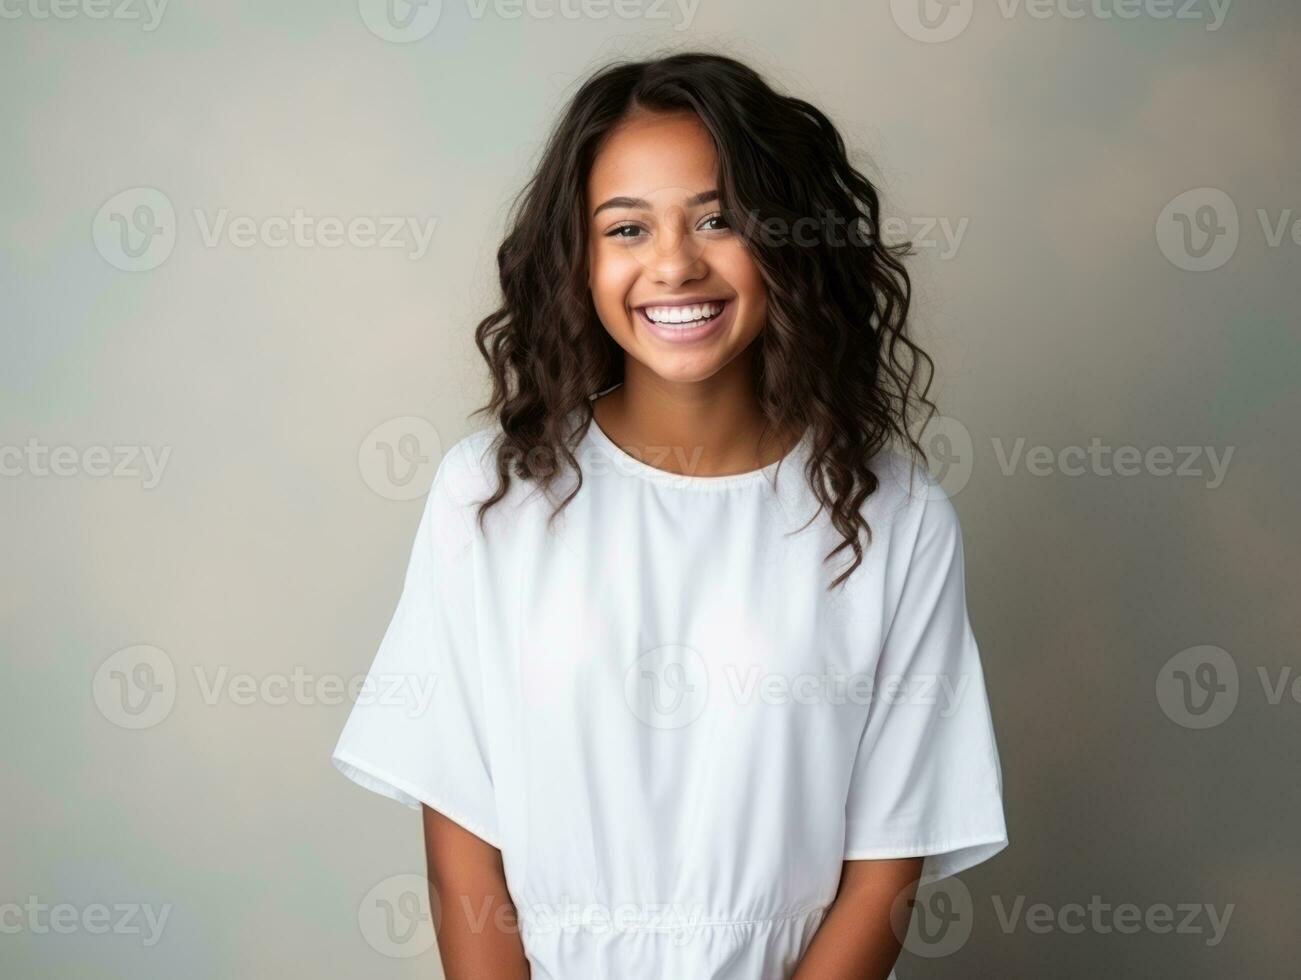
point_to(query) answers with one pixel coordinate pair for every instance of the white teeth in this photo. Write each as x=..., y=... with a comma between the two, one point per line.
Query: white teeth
x=683, y=314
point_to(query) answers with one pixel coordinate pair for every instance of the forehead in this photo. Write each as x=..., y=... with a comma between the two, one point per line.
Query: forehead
x=672, y=154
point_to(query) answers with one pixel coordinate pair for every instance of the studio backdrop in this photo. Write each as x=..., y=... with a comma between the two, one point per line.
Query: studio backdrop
x=243, y=247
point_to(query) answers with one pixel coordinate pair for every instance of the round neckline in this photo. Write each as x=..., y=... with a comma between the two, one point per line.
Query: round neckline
x=629, y=464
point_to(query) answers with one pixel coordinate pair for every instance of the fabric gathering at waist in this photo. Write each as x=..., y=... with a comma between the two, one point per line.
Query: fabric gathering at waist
x=669, y=917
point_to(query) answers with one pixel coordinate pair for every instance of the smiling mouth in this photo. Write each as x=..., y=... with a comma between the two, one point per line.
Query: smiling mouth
x=692, y=315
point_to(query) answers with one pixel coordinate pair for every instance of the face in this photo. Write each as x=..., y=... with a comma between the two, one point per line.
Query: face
x=673, y=284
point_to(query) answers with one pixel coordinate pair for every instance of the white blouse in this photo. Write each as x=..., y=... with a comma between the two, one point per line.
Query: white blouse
x=657, y=712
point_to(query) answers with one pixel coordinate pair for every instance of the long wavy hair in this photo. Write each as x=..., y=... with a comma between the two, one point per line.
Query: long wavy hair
x=833, y=356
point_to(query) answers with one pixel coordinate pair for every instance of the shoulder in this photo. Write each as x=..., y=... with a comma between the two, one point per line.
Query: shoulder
x=467, y=463
x=905, y=483
x=460, y=483
x=912, y=501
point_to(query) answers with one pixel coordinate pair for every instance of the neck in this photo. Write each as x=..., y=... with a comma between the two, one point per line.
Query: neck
x=701, y=428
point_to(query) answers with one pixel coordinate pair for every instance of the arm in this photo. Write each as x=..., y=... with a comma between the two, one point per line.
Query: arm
x=856, y=940
x=474, y=916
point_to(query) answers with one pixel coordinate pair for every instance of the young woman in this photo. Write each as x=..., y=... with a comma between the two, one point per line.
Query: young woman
x=670, y=735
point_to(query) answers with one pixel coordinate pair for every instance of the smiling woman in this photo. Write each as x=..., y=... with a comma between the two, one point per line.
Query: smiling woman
x=629, y=716
x=671, y=282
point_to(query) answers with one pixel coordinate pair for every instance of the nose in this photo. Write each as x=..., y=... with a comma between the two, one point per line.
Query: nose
x=675, y=255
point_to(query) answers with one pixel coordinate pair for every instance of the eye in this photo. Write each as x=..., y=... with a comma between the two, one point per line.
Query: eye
x=618, y=232
x=719, y=218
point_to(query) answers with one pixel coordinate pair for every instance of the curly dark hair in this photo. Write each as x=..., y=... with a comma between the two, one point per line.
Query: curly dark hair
x=833, y=355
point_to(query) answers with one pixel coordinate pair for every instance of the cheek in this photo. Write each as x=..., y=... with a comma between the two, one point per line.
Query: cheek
x=739, y=268
x=611, y=277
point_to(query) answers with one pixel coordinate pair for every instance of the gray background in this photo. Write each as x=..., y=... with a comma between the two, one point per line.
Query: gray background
x=303, y=393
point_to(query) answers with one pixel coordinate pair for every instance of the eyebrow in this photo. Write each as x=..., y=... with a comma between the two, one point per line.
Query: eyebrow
x=641, y=203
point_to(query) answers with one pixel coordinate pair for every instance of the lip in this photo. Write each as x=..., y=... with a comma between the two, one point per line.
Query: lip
x=691, y=299
x=688, y=335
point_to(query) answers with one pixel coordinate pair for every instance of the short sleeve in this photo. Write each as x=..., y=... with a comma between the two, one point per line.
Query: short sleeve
x=416, y=732
x=927, y=779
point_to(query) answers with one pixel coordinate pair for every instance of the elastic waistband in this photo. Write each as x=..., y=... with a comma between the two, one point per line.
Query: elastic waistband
x=672, y=917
